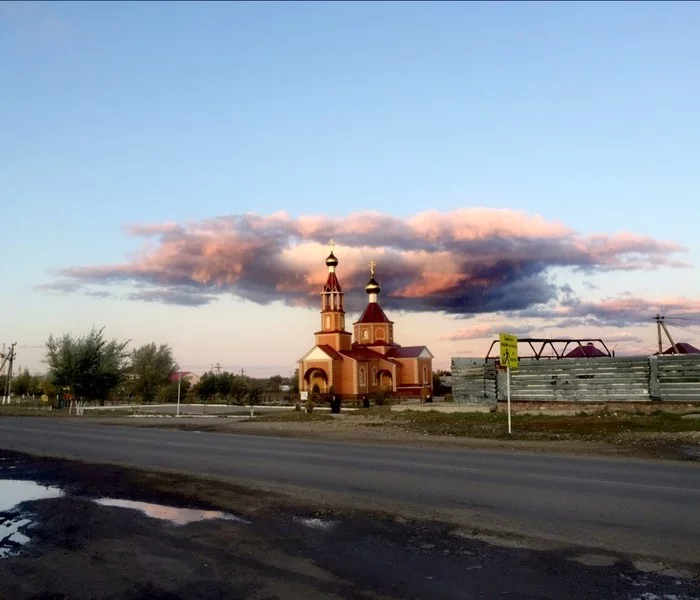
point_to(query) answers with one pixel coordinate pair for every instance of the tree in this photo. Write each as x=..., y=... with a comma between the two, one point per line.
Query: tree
x=88, y=366
x=207, y=386
x=254, y=394
x=273, y=383
x=295, y=381
x=239, y=388
x=26, y=384
x=151, y=368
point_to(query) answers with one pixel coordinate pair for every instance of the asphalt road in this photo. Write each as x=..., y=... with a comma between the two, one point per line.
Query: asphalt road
x=638, y=507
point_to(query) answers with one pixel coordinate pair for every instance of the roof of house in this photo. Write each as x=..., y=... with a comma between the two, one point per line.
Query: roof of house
x=176, y=375
x=407, y=351
x=682, y=348
x=587, y=351
x=373, y=313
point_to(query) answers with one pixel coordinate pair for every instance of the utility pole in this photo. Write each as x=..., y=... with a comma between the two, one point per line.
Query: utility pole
x=179, y=385
x=217, y=366
x=660, y=324
x=10, y=358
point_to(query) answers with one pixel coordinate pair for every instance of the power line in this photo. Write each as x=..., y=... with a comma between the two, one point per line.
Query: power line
x=683, y=328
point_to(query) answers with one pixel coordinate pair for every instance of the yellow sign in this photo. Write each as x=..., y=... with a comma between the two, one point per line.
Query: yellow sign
x=44, y=398
x=509, y=350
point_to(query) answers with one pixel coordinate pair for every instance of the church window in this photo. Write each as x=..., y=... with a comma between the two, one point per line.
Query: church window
x=379, y=334
x=328, y=322
x=425, y=374
x=362, y=377
x=374, y=375
x=365, y=334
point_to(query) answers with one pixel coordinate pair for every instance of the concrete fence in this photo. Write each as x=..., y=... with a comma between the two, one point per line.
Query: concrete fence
x=621, y=379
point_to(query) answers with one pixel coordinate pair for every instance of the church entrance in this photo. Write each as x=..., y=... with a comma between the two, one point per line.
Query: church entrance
x=319, y=377
x=385, y=381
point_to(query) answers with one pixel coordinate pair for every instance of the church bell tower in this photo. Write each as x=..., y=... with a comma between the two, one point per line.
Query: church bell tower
x=332, y=331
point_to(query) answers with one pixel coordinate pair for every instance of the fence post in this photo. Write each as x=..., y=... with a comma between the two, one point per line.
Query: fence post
x=654, y=388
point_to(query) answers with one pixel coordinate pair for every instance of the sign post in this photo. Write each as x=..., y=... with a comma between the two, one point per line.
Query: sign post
x=509, y=359
x=179, y=386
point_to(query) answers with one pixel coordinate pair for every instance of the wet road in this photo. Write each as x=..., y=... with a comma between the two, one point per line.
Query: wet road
x=628, y=506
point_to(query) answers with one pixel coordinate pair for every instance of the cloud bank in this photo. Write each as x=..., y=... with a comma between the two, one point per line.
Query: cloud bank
x=464, y=262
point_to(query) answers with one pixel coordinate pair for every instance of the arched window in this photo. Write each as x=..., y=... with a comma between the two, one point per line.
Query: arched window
x=365, y=334
x=363, y=383
x=374, y=375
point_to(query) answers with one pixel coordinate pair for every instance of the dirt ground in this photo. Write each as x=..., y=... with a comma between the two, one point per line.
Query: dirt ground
x=613, y=430
x=80, y=549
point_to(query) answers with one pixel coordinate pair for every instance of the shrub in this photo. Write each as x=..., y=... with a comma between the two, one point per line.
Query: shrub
x=297, y=407
x=378, y=398
x=310, y=404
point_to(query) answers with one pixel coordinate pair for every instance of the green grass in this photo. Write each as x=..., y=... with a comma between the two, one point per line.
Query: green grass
x=494, y=425
x=295, y=416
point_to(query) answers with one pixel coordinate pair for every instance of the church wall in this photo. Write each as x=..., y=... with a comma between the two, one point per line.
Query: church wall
x=426, y=363
x=325, y=365
x=407, y=373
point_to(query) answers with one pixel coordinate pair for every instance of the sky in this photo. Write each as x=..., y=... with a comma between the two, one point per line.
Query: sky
x=174, y=171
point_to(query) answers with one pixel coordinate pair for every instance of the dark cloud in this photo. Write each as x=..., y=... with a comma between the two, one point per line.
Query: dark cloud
x=178, y=297
x=463, y=263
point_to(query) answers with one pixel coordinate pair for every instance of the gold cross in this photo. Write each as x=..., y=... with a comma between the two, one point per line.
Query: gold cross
x=331, y=243
x=372, y=264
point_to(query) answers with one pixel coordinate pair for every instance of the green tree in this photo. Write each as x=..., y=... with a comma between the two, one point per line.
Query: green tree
x=151, y=368
x=239, y=388
x=224, y=384
x=295, y=381
x=254, y=394
x=168, y=392
x=273, y=383
x=88, y=366
x=23, y=384
x=207, y=386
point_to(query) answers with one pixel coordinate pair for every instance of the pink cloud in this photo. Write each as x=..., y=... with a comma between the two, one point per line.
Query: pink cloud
x=467, y=261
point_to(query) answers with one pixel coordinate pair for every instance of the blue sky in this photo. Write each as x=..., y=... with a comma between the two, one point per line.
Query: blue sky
x=116, y=114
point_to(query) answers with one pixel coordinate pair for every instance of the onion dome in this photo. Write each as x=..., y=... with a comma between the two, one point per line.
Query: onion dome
x=331, y=261
x=372, y=287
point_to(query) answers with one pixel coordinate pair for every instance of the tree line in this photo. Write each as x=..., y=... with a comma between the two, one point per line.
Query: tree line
x=91, y=367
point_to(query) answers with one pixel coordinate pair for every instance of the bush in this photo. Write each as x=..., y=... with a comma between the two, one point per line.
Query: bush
x=297, y=407
x=310, y=405
x=378, y=398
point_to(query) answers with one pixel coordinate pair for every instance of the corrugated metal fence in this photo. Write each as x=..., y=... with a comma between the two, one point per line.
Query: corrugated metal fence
x=621, y=379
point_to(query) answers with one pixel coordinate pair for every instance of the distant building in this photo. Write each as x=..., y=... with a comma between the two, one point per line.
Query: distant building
x=682, y=348
x=187, y=376
x=587, y=351
x=373, y=362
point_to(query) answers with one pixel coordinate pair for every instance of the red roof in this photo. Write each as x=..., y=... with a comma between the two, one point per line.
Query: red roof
x=683, y=348
x=363, y=354
x=332, y=284
x=176, y=375
x=373, y=313
x=331, y=352
x=587, y=351
x=406, y=351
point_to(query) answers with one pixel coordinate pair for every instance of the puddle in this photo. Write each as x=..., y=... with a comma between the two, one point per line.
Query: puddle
x=11, y=538
x=315, y=523
x=178, y=516
x=13, y=493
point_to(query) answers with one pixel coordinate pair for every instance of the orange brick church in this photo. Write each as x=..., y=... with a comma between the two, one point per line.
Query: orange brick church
x=371, y=363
